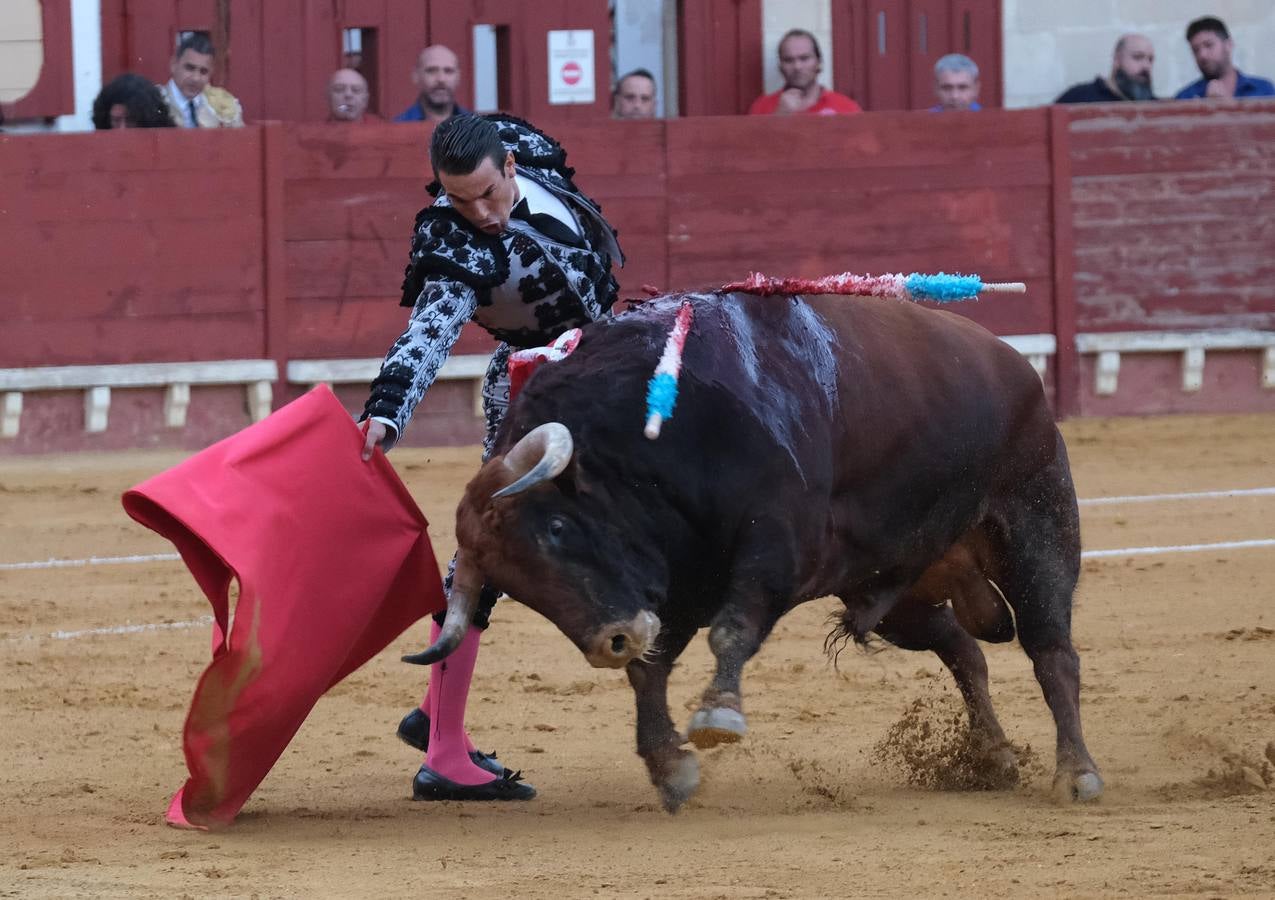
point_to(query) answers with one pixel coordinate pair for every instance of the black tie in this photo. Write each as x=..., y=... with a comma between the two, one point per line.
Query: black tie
x=194, y=119
x=547, y=225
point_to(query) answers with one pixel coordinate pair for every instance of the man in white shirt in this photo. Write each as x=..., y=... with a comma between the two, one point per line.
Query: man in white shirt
x=192, y=101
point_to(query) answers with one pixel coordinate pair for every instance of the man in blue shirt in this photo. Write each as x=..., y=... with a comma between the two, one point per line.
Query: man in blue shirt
x=436, y=76
x=956, y=83
x=1212, y=45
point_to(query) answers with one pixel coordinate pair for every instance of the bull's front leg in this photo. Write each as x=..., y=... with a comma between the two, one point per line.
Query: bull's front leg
x=735, y=636
x=674, y=771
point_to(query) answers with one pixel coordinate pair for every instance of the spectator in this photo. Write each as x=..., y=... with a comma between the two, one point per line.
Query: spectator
x=634, y=96
x=800, y=62
x=1130, y=77
x=956, y=83
x=436, y=76
x=348, y=98
x=1212, y=45
x=192, y=101
x=130, y=101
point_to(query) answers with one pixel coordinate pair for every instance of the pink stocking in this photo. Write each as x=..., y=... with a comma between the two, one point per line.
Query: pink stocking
x=434, y=630
x=448, y=753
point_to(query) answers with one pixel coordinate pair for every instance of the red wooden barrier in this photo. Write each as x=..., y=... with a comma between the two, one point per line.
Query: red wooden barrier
x=288, y=241
x=880, y=193
x=131, y=246
x=1174, y=231
x=351, y=196
x=1174, y=215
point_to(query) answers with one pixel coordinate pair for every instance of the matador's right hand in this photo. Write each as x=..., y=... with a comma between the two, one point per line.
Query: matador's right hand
x=375, y=433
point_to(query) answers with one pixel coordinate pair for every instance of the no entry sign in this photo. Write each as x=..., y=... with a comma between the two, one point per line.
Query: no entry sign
x=571, y=67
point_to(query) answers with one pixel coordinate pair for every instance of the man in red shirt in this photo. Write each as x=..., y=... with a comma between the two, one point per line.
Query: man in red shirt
x=800, y=63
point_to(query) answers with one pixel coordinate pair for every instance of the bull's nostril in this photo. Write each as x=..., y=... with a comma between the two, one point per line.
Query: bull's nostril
x=617, y=644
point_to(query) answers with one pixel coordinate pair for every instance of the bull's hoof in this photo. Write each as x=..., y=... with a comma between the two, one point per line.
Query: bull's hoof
x=677, y=780
x=995, y=766
x=1001, y=775
x=1077, y=787
x=718, y=725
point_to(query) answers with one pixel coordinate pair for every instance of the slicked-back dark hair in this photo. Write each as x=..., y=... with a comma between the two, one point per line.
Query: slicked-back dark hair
x=1208, y=23
x=461, y=143
x=197, y=41
x=143, y=104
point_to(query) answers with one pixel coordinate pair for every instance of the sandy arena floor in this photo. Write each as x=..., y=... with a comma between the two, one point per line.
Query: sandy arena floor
x=1178, y=652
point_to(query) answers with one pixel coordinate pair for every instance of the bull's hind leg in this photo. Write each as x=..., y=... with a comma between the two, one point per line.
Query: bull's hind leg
x=916, y=625
x=1039, y=535
x=674, y=771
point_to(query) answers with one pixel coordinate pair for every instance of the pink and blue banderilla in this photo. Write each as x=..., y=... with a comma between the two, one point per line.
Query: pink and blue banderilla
x=941, y=288
x=661, y=391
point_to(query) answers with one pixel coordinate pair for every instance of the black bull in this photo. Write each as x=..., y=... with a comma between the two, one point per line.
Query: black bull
x=900, y=458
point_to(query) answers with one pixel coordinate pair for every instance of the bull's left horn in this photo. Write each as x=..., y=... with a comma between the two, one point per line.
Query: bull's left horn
x=461, y=606
x=538, y=457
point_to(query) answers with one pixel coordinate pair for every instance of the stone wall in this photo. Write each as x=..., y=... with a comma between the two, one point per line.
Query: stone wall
x=1050, y=46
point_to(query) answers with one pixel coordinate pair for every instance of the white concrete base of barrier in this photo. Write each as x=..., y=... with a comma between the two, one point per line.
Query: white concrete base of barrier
x=309, y=372
x=97, y=382
x=1193, y=346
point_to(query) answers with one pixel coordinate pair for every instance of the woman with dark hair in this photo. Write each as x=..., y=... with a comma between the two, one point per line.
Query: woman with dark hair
x=130, y=101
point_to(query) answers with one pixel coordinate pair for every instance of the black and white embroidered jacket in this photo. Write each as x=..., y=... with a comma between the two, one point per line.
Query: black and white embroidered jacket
x=521, y=286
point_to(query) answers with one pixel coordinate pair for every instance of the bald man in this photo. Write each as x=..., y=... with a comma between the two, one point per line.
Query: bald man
x=348, y=98
x=436, y=76
x=1130, y=77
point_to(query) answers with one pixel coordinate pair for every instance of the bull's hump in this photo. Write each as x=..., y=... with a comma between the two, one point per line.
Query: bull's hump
x=783, y=345
x=776, y=358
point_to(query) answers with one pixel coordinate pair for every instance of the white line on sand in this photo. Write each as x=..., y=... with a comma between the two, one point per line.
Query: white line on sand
x=1178, y=548
x=91, y=561
x=1195, y=495
x=114, y=629
x=1087, y=554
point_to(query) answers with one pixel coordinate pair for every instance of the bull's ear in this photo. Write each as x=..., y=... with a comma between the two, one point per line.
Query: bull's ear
x=568, y=481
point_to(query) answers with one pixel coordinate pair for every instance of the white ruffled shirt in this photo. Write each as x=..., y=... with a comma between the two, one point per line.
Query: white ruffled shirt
x=540, y=200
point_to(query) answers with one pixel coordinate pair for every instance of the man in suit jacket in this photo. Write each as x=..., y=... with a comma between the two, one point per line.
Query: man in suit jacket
x=192, y=101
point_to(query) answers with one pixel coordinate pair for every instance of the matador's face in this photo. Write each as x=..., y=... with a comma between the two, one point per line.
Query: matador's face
x=485, y=196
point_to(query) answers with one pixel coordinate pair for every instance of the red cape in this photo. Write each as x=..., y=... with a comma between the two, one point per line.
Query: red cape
x=333, y=562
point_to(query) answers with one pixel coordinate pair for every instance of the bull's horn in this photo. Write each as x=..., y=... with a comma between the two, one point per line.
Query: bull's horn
x=461, y=606
x=538, y=457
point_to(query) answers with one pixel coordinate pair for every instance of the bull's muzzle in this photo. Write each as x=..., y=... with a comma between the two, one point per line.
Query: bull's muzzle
x=618, y=644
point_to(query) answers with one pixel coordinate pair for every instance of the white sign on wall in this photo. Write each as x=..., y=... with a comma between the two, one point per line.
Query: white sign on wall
x=571, y=67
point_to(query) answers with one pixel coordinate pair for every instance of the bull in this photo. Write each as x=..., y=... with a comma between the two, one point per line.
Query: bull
x=900, y=458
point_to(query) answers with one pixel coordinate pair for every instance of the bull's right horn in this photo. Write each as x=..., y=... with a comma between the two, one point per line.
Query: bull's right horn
x=540, y=456
x=461, y=605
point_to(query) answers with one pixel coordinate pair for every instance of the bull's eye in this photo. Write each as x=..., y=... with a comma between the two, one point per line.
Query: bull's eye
x=556, y=526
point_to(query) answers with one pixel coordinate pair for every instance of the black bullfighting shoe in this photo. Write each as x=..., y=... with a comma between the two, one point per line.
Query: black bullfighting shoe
x=429, y=785
x=414, y=731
